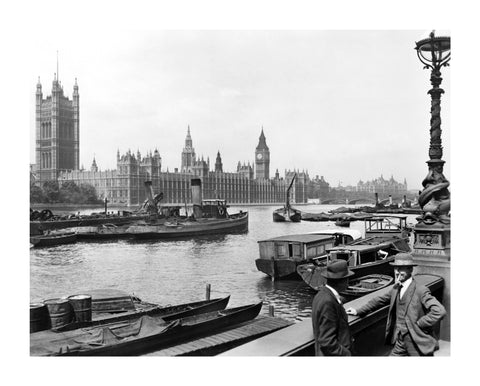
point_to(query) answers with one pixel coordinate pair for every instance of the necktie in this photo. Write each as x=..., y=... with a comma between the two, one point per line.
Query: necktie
x=399, y=288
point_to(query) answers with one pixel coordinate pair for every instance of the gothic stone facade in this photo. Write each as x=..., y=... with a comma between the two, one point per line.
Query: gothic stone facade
x=56, y=132
x=57, y=158
x=125, y=185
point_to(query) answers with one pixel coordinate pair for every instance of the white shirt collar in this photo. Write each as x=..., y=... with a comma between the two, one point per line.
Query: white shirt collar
x=335, y=293
x=405, y=285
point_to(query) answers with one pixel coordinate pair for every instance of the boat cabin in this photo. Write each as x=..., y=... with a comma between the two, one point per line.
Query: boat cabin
x=214, y=208
x=341, y=236
x=386, y=226
x=296, y=247
x=359, y=254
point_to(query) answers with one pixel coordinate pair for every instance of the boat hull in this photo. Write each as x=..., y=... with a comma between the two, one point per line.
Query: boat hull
x=51, y=241
x=311, y=273
x=141, y=308
x=158, y=334
x=38, y=227
x=101, y=232
x=373, y=283
x=315, y=216
x=191, y=229
x=278, y=269
x=292, y=216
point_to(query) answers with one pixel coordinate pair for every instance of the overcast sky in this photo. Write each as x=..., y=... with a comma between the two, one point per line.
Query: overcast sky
x=346, y=105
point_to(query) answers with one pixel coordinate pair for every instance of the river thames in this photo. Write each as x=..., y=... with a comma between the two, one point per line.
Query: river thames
x=173, y=272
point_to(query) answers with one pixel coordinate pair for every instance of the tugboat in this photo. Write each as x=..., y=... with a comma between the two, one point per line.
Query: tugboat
x=45, y=220
x=287, y=213
x=209, y=217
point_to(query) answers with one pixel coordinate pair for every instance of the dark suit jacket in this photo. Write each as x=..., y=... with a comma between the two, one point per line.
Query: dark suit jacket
x=423, y=311
x=330, y=325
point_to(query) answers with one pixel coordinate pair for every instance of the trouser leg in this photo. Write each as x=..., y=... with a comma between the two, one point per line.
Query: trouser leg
x=399, y=349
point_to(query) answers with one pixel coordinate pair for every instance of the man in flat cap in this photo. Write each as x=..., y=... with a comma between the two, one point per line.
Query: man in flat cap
x=329, y=319
x=412, y=314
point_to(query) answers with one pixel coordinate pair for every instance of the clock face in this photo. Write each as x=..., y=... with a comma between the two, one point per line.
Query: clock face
x=259, y=156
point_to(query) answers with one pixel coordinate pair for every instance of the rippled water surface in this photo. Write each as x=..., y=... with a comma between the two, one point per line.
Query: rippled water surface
x=171, y=272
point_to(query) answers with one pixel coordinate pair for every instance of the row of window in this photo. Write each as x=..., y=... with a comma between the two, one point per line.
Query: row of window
x=65, y=130
x=46, y=160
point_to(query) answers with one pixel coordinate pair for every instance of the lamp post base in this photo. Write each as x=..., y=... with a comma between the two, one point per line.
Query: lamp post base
x=431, y=251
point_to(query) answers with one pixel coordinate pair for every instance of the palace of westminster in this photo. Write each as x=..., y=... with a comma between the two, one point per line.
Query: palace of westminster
x=57, y=158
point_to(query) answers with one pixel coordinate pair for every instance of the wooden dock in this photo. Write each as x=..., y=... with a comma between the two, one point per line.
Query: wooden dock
x=226, y=339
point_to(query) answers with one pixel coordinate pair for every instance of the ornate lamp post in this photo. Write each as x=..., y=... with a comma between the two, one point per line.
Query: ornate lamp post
x=431, y=248
x=434, y=53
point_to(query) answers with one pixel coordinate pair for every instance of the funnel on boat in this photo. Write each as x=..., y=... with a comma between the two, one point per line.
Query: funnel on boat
x=196, y=185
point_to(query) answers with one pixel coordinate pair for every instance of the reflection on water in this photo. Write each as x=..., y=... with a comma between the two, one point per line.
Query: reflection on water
x=291, y=299
x=177, y=271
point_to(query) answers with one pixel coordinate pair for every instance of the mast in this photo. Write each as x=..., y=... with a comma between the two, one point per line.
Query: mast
x=288, y=191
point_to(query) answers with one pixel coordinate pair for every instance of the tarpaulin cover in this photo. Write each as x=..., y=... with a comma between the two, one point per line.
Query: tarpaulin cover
x=54, y=343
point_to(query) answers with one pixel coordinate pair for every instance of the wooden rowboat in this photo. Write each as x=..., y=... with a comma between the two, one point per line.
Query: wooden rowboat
x=53, y=240
x=143, y=308
x=112, y=305
x=143, y=335
x=365, y=285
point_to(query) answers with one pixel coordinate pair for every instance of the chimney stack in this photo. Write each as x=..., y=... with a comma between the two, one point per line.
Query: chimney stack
x=196, y=184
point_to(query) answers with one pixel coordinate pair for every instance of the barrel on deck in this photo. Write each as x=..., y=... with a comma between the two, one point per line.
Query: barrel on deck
x=60, y=312
x=82, y=307
x=39, y=319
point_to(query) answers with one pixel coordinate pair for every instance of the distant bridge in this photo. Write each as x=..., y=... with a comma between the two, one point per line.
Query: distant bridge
x=363, y=200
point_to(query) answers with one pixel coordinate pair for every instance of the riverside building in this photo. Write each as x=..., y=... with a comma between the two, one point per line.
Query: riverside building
x=125, y=184
x=57, y=158
x=57, y=131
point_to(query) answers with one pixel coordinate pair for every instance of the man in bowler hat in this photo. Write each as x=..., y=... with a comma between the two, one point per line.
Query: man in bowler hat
x=412, y=314
x=329, y=319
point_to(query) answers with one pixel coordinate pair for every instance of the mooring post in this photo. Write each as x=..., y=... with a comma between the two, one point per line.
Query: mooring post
x=207, y=294
x=271, y=310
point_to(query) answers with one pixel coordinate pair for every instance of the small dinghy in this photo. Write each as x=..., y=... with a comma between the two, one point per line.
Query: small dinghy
x=365, y=285
x=53, y=240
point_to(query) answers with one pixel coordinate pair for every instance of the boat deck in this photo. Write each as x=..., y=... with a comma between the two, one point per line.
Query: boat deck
x=227, y=339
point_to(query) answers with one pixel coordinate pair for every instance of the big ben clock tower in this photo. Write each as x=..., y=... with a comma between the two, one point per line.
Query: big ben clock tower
x=262, y=159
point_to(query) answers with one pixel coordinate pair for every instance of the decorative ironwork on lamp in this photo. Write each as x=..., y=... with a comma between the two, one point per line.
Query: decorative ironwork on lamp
x=434, y=53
